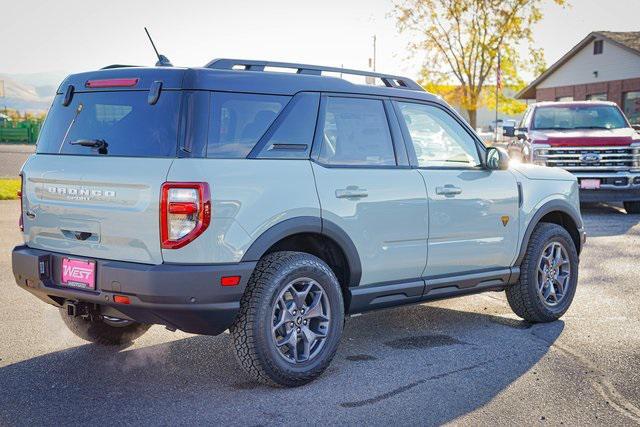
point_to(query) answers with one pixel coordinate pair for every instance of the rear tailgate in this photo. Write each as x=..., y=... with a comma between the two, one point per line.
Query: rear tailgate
x=93, y=187
x=95, y=207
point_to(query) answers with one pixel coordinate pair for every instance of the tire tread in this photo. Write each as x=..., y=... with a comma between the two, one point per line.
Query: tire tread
x=245, y=342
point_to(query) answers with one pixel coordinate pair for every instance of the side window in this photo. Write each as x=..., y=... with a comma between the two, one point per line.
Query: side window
x=356, y=132
x=439, y=140
x=239, y=120
x=294, y=134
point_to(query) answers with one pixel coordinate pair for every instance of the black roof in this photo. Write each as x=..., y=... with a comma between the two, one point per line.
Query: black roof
x=222, y=75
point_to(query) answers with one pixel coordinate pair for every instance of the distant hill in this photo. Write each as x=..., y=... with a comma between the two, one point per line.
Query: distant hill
x=29, y=92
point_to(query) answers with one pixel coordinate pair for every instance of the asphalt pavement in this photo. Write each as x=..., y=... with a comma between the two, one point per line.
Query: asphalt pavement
x=12, y=157
x=466, y=361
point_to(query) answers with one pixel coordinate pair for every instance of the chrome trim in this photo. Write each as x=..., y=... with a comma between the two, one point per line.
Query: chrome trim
x=610, y=158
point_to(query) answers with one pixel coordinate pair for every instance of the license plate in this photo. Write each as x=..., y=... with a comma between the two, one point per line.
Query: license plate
x=590, y=184
x=78, y=273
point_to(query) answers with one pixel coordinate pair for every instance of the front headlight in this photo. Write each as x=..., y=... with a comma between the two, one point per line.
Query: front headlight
x=539, y=154
x=635, y=155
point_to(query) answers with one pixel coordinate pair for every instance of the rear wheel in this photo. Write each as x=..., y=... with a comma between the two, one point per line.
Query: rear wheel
x=632, y=207
x=290, y=321
x=104, y=330
x=548, y=275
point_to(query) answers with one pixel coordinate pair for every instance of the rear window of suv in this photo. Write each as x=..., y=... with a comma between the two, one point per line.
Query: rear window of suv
x=124, y=120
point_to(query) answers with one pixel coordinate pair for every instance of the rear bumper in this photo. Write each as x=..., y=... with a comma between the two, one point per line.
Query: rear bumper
x=185, y=297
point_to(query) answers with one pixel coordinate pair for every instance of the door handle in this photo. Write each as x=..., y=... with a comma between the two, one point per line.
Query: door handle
x=448, y=190
x=351, y=192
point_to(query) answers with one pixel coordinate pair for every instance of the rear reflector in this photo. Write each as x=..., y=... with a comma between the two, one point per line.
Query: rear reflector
x=121, y=299
x=230, y=281
x=112, y=83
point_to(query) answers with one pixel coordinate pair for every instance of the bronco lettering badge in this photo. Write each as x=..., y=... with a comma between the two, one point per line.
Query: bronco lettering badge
x=80, y=193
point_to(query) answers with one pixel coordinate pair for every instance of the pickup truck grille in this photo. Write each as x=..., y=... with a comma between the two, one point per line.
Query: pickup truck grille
x=601, y=159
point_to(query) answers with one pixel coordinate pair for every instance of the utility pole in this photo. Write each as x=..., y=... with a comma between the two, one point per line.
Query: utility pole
x=374, y=52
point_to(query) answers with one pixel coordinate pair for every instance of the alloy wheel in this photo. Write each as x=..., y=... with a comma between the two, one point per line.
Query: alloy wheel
x=301, y=318
x=553, y=274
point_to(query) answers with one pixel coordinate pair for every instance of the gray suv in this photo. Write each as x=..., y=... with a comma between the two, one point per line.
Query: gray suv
x=273, y=204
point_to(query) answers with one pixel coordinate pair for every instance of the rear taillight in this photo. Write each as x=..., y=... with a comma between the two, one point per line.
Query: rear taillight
x=185, y=212
x=20, y=193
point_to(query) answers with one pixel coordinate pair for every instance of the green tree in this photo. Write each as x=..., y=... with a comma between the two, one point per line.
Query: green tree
x=459, y=40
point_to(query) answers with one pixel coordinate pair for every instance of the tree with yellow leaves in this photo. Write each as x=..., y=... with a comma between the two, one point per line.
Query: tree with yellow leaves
x=459, y=41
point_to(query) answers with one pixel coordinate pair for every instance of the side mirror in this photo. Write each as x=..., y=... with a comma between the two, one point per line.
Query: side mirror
x=497, y=159
x=509, y=131
x=521, y=133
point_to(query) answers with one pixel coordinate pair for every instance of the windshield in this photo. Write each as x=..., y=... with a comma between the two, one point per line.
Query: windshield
x=121, y=123
x=578, y=117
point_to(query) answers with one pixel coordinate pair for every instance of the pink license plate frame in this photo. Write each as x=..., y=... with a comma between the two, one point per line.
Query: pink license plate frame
x=590, y=184
x=78, y=273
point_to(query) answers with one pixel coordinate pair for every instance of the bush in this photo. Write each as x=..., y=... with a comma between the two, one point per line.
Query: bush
x=9, y=189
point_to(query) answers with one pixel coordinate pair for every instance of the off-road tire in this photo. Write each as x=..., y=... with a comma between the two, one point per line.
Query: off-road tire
x=523, y=297
x=632, y=207
x=251, y=332
x=99, y=332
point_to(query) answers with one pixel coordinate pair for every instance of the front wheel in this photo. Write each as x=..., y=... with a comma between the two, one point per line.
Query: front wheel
x=104, y=331
x=632, y=207
x=548, y=275
x=290, y=321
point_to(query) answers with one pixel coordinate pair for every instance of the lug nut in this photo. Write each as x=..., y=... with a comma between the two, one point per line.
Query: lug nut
x=305, y=322
x=298, y=330
x=294, y=311
x=292, y=324
x=302, y=311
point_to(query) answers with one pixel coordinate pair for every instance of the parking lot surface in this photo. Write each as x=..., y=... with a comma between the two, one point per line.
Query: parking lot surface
x=465, y=361
x=12, y=156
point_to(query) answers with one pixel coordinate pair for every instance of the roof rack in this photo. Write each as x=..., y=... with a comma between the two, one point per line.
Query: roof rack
x=389, y=80
x=109, y=67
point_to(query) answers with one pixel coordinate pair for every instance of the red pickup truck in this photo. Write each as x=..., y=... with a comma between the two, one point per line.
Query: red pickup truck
x=591, y=139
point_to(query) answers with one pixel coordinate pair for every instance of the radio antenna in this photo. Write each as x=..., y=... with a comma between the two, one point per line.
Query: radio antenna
x=163, y=61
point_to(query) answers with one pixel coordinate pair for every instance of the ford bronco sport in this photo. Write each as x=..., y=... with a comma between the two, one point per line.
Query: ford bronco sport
x=591, y=139
x=274, y=204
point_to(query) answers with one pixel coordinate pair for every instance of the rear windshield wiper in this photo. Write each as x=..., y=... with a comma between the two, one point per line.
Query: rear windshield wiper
x=100, y=144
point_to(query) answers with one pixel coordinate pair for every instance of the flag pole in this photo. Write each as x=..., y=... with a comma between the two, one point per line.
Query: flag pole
x=498, y=83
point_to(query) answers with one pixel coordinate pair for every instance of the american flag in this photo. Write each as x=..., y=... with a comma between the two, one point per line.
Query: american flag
x=499, y=75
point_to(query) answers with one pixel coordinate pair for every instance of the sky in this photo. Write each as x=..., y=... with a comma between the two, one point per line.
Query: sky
x=65, y=36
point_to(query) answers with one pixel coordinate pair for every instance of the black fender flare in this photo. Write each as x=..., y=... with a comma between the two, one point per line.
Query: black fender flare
x=551, y=206
x=308, y=224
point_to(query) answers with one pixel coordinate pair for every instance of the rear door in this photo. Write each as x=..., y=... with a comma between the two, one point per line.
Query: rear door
x=366, y=187
x=473, y=212
x=93, y=186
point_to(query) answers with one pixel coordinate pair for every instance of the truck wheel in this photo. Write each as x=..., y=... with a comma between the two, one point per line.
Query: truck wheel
x=104, y=332
x=290, y=321
x=548, y=275
x=632, y=207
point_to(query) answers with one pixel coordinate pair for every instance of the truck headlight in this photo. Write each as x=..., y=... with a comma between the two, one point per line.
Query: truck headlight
x=539, y=153
x=635, y=155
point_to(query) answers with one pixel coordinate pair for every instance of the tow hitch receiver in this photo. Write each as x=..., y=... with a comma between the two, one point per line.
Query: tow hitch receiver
x=83, y=309
x=71, y=308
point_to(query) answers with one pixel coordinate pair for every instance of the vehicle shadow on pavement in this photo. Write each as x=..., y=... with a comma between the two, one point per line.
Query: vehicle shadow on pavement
x=602, y=220
x=420, y=362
